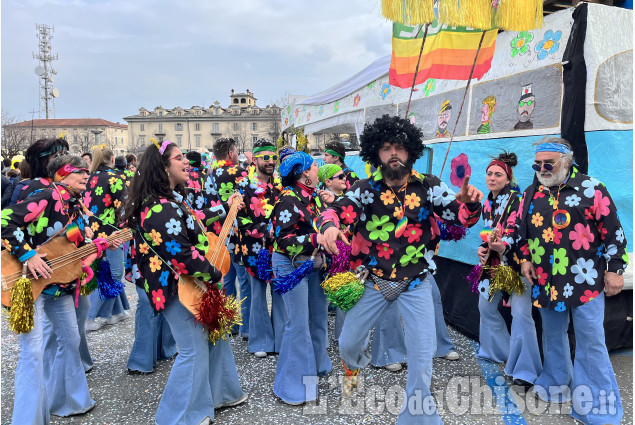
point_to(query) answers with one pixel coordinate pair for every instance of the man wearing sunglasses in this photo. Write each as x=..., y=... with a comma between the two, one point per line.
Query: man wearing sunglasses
x=573, y=251
x=335, y=153
x=261, y=189
x=526, y=106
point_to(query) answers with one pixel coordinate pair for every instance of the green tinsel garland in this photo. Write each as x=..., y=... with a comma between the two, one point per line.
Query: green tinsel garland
x=92, y=284
x=344, y=290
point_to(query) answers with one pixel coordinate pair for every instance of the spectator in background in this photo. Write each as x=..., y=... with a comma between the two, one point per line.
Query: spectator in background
x=6, y=166
x=25, y=179
x=6, y=190
x=88, y=157
x=335, y=153
x=131, y=159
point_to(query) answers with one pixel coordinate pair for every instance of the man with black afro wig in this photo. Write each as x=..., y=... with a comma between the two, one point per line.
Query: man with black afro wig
x=391, y=216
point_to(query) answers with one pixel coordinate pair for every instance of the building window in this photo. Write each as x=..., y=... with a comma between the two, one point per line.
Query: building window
x=254, y=139
x=198, y=140
x=243, y=100
x=142, y=139
x=178, y=126
x=254, y=126
x=160, y=139
x=235, y=100
x=215, y=128
x=160, y=127
x=178, y=140
x=86, y=138
x=160, y=113
x=197, y=126
x=235, y=126
x=115, y=140
x=142, y=127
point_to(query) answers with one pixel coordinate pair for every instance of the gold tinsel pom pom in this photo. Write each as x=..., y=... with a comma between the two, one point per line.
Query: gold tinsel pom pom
x=504, y=278
x=333, y=283
x=21, y=316
x=408, y=12
x=519, y=15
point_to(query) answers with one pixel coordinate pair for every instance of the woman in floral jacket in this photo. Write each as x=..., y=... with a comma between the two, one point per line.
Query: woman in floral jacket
x=104, y=195
x=303, y=350
x=520, y=352
x=54, y=211
x=170, y=240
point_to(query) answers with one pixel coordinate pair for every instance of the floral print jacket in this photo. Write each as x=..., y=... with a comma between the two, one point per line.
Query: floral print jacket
x=500, y=213
x=221, y=181
x=171, y=240
x=105, y=192
x=374, y=211
x=43, y=215
x=254, y=221
x=194, y=189
x=294, y=221
x=571, y=235
x=351, y=176
x=35, y=184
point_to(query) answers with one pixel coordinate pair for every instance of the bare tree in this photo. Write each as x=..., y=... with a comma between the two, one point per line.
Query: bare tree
x=15, y=139
x=242, y=136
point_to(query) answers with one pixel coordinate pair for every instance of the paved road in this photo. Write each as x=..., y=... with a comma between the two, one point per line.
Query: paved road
x=462, y=386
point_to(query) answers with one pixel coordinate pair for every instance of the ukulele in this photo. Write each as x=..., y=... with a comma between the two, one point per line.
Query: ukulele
x=63, y=257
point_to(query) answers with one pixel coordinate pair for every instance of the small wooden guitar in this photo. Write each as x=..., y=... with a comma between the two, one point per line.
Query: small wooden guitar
x=191, y=291
x=64, y=258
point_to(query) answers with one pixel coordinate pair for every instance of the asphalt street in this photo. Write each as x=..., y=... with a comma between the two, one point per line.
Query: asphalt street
x=467, y=391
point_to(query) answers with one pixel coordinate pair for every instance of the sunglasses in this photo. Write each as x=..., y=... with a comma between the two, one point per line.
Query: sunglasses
x=178, y=158
x=81, y=170
x=528, y=103
x=267, y=157
x=59, y=153
x=538, y=166
x=341, y=177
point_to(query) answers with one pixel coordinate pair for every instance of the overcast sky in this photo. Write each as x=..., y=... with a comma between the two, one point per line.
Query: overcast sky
x=118, y=55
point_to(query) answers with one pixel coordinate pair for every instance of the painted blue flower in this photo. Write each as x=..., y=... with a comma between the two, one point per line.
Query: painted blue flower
x=600, y=251
x=560, y=306
x=385, y=90
x=173, y=247
x=80, y=224
x=93, y=209
x=535, y=292
x=164, y=278
x=423, y=214
x=278, y=231
x=372, y=262
x=414, y=283
x=128, y=263
x=531, y=208
x=252, y=260
x=549, y=44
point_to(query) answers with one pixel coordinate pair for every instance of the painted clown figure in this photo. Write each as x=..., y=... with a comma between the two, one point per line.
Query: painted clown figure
x=395, y=236
x=573, y=250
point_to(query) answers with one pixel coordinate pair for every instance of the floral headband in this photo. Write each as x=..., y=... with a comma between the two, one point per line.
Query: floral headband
x=66, y=170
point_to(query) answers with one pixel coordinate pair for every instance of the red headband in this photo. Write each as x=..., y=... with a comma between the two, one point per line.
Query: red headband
x=504, y=166
x=66, y=170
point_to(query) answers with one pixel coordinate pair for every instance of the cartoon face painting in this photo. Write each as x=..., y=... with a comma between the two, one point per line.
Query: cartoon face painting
x=443, y=118
x=526, y=106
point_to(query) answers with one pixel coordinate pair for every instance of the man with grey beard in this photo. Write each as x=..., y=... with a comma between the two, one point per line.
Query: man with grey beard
x=573, y=250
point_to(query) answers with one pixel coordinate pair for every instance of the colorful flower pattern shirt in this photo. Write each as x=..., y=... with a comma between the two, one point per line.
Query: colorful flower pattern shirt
x=294, y=221
x=254, y=221
x=571, y=235
x=374, y=210
x=170, y=241
x=35, y=184
x=126, y=176
x=351, y=176
x=46, y=213
x=104, y=195
x=500, y=213
x=194, y=189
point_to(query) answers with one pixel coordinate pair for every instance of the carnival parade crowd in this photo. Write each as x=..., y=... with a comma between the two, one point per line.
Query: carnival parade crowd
x=208, y=241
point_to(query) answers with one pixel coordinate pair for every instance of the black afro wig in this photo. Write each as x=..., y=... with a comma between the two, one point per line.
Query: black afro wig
x=391, y=129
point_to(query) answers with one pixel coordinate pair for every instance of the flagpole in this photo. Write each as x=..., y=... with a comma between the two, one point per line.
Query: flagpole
x=414, y=79
x=462, y=103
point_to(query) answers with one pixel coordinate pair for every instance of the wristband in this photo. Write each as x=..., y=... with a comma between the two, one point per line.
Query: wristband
x=101, y=244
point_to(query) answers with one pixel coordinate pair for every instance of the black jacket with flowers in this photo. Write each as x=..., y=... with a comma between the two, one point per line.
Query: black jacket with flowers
x=42, y=215
x=221, y=181
x=572, y=235
x=294, y=221
x=351, y=176
x=254, y=221
x=194, y=188
x=373, y=213
x=105, y=192
x=35, y=184
x=171, y=240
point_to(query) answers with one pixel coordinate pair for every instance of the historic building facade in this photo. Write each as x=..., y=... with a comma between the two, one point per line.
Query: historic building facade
x=197, y=128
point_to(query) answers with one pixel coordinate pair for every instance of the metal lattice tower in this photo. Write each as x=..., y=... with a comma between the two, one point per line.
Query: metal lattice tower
x=45, y=70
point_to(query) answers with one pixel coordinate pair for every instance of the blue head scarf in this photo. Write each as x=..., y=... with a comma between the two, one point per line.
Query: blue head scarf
x=296, y=163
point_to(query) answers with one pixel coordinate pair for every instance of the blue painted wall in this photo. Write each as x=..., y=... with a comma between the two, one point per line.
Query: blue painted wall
x=610, y=161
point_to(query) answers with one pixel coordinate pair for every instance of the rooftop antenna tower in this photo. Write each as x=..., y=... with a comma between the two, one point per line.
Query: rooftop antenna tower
x=45, y=70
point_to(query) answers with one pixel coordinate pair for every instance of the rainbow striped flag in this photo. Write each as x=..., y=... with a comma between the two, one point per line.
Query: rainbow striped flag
x=448, y=53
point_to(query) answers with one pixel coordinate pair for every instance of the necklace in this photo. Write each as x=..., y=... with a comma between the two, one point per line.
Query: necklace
x=403, y=220
x=560, y=219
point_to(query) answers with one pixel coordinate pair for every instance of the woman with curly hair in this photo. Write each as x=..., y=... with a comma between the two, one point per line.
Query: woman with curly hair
x=170, y=241
x=500, y=209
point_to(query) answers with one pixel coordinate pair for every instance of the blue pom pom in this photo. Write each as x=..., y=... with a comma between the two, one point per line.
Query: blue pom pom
x=263, y=270
x=450, y=232
x=108, y=287
x=286, y=283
